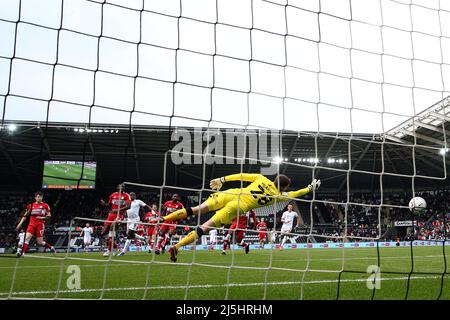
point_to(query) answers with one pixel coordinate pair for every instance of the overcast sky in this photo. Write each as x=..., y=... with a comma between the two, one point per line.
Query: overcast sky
x=359, y=66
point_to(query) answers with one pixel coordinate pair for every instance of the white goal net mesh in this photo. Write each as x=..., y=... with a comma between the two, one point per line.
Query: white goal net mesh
x=351, y=92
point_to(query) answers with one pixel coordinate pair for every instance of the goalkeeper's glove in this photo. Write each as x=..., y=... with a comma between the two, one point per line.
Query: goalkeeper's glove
x=216, y=184
x=314, y=185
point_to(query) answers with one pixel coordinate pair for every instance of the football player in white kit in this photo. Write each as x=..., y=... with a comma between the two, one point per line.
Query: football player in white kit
x=133, y=220
x=86, y=233
x=212, y=239
x=288, y=219
x=21, y=238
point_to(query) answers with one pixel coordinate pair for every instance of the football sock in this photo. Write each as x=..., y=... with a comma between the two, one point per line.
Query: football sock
x=158, y=244
x=139, y=237
x=47, y=245
x=164, y=241
x=127, y=244
x=225, y=244
x=177, y=215
x=191, y=237
x=109, y=244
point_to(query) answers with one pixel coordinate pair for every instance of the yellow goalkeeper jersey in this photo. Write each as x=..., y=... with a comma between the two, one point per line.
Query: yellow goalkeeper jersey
x=261, y=191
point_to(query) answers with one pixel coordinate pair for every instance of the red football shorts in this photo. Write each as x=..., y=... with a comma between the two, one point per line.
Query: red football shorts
x=111, y=218
x=168, y=226
x=151, y=230
x=36, y=229
x=239, y=235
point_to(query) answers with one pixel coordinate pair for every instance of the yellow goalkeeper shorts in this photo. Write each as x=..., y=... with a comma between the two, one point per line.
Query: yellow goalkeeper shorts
x=226, y=206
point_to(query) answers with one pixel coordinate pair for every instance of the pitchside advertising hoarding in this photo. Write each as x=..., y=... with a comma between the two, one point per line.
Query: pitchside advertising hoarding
x=330, y=245
x=408, y=223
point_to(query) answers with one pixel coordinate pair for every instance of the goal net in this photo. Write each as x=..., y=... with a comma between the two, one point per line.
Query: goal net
x=166, y=96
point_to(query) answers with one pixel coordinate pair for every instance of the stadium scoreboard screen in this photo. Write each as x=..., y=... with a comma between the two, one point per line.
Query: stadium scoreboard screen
x=69, y=175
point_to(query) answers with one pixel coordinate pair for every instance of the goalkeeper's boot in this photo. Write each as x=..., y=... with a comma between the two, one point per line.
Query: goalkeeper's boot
x=121, y=253
x=247, y=248
x=173, y=254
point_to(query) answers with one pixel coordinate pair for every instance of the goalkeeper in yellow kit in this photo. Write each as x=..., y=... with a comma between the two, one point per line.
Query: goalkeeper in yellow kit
x=259, y=193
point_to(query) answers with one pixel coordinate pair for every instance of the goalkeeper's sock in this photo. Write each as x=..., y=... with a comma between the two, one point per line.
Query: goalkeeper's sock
x=191, y=237
x=179, y=214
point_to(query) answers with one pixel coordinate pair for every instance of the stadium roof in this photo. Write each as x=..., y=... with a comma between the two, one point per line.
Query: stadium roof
x=139, y=154
x=427, y=127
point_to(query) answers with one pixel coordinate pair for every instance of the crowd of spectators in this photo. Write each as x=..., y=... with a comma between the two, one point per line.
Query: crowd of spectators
x=434, y=229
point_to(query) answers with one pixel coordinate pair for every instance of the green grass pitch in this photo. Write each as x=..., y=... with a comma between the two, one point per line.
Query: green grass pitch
x=73, y=172
x=262, y=274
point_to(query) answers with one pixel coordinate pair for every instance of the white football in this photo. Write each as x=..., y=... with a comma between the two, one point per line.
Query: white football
x=417, y=204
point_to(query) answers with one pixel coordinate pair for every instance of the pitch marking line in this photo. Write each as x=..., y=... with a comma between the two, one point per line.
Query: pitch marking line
x=210, y=286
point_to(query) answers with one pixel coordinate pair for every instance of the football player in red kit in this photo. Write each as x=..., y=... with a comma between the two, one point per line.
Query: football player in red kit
x=169, y=228
x=152, y=230
x=240, y=222
x=118, y=204
x=39, y=212
x=262, y=228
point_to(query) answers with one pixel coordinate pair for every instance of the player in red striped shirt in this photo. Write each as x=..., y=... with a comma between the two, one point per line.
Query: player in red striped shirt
x=151, y=230
x=39, y=212
x=262, y=228
x=169, y=228
x=118, y=204
x=240, y=222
